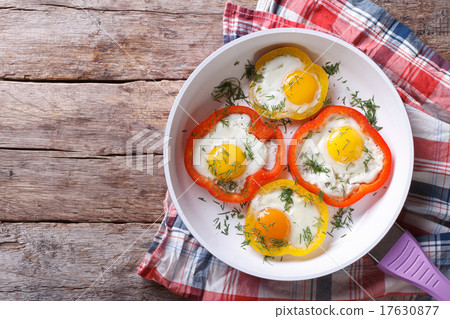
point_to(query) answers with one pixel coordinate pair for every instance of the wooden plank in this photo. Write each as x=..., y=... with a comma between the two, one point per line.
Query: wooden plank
x=158, y=40
x=87, y=118
x=184, y=7
x=50, y=261
x=63, y=147
x=49, y=186
x=70, y=44
x=60, y=42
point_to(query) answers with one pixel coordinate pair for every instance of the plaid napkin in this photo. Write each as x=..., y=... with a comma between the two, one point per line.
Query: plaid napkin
x=422, y=78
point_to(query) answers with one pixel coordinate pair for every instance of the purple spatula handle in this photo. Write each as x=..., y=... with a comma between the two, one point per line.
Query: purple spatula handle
x=407, y=260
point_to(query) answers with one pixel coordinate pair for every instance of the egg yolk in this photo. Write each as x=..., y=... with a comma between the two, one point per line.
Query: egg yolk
x=300, y=87
x=226, y=161
x=272, y=224
x=345, y=144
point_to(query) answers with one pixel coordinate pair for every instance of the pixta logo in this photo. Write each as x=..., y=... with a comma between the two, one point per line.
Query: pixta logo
x=143, y=151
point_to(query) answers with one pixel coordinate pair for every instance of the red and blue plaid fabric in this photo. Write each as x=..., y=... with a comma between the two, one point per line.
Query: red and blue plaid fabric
x=422, y=78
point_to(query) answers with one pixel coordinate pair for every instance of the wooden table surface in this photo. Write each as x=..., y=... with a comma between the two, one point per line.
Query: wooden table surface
x=77, y=83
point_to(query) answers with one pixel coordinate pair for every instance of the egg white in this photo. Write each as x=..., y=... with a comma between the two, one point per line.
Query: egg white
x=342, y=178
x=233, y=129
x=302, y=214
x=269, y=90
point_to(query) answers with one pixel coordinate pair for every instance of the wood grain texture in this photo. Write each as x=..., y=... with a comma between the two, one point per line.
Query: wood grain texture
x=63, y=145
x=49, y=261
x=87, y=119
x=69, y=42
x=180, y=7
x=428, y=19
x=49, y=186
x=63, y=151
x=124, y=41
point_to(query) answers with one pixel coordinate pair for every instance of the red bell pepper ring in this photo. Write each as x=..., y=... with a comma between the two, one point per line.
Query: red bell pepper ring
x=367, y=129
x=261, y=130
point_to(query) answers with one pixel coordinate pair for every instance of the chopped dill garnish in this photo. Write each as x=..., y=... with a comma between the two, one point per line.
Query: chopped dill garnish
x=285, y=122
x=249, y=150
x=280, y=106
x=202, y=199
x=309, y=135
x=366, y=162
x=240, y=228
x=286, y=197
x=245, y=243
x=307, y=236
x=222, y=205
x=293, y=81
x=319, y=222
x=229, y=88
x=369, y=108
x=236, y=62
x=312, y=164
x=266, y=259
x=227, y=227
x=344, y=193
x=320, y=196
x=227, y=185
x=242, y=205
x=331, y=69
x=249, y=71
x=342, y=219
x=237, y=212
x=326, y=102
x=258, y=78
x=225, y=122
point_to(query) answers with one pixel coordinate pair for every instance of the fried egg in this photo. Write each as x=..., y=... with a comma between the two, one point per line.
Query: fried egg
x=229, y=153
x=339, y=157
x=284, y=218
x=287, y=84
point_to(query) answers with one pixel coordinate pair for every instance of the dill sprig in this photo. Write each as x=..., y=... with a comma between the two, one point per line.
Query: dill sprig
x=229, y=88
x=227, y=184
x=280, y=106
x=245, y=243
x=312, y=164
x=285, y=122
x=309, y=135
x=249, y=150
x=225, y=122
x=319, y=222
x=366, y=161
x=266, y=259
x=326, y=102
x=286, y=197
x=249, y=71
x=331, y=69
x=369, y=108
x=242, y=205
x=306, y=236
x=342, y=219
x=222, y=205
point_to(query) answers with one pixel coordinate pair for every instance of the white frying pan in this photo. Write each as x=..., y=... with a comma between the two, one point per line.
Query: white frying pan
x=373, y=215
